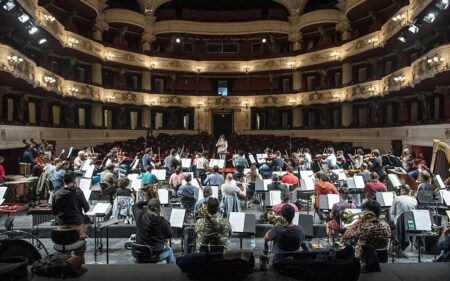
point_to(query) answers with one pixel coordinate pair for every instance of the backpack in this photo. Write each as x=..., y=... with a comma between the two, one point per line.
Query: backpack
x=57, y=265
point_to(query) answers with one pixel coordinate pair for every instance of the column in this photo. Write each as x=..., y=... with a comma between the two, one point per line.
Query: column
x=146, y=39
x=296, y=39
x=347, y=114
x=97, y=114
x=297, y=80
x=344, y=27
x=97, y=74
x=347, y=73
x=146, y=117
x=146, y=81
x=99, y=27
x=297, y=117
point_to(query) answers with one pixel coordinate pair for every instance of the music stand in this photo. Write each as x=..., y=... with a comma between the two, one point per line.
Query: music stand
x=419, y=223
x=243, y=224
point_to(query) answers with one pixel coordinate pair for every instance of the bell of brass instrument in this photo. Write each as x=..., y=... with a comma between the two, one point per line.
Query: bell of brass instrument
x=347, y=216
x=275, y=219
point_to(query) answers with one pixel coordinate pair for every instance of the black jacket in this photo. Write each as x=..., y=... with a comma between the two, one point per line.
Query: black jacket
x=68, y=204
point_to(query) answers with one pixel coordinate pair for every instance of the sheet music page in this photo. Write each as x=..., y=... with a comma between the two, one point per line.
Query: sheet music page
x=394, y=180
x=132, y=176
x=100, y=208
x=422, y=220
x=251, y=158
x=307, y=183
x=186, y=162
x=388, y=198
x=237, y=221
x=448, y=213
x=275, y=197
x=3, y=190
x=306, y=174
x=86, y=164
x=332, y=199
x=221, y=163
x=359, y=182
x=215, y=191
x=85, y=186
x=351, y=183
x=342, y=176
x=198, y=193
x=440, y=182
x=266, y=183
x=177, y=217
x=137, y=184
x=1, y=201
x=280, y=173
x=89, y=172
x=160, y=174
x=133, y=167
x=163, y=195
x=445, y=197
x=261, y=157
x=259, y=185
x=296, y=218
x=70, y=152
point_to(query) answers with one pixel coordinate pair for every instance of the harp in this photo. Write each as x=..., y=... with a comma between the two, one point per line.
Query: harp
x=440, y=161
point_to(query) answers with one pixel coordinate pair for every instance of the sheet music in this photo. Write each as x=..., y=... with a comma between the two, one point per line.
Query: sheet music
x=307, y=183
x=3, y=190
x=351, y=183
x=194, y=182
x=134, y=165
x=70, y=153
x=132, y=176
x=100, y=209
x=422, y=220
x=275, y=197
x=1, y=201
x=221, y=163
x=445, y=194
x=186, y=163
x=306, y=174
x=266, y=183
x=213, y=162
x=198, y=193
x=385, y=198
x=215, y=191
x=440, y=182
x=342, y=176
x=296, y=218
x=89, y=172
x=237, y=221
x=359, y=181
x=280, y=173
x=160, y=174
x=251, y=158
x=85, y=186
x=246, y=171
x=137, y=184
x=327, y=201
x=448, y=213
x=177, y=217
x=86, y=164
x=395, y=181
x=163, y=195
x=261, y=157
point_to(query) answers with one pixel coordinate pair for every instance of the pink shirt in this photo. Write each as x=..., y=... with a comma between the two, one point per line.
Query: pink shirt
x=176, y=179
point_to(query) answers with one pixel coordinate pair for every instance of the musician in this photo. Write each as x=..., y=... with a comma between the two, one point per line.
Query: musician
x=284, y=196
x=230, y=194
x=358, y=159
x=250, y=180
x=147, y=158
x=222, y=146
x=207, y=192
x=376, y=164
x=330, y=160
x=369, y=232
x=123, y=201
x=444, y=245
x=365, y=173
x=417, y=166
x=28, y=157
x=214, y=178
x=2, y=170
x=276, y=184
x=335, y=214
x=176, y=179
x=277, y=163
x=78, y=162
x=406, y=159
x=57, y=175
x=240, y=163
x=323, y=187
x=152, y=229
x=307, y=159
x=401, y=204
x=340, y=159
x=290, y=178
x=373, y=186
x=68, y=205
x=171, y=162
x=212, y=231
x=425, y=191
x=108, y=177
x=286, y=239
x=202, y=165
x=187, y=193
x=148, y=177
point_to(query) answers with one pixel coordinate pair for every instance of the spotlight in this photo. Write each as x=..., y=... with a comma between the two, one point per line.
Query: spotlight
x=442, y=5
x=413, y=28
x=8, y=6
x=401, y=38
x=264, y=40
x=178, y=40
x=33, y=30
x=42, y=41
x=429, y=18
x=23, y=18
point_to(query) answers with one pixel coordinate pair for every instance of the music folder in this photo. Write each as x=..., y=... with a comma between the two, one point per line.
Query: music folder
x=251, y=158
x=306, y=174
x=160, y=174
x=262, y=185
x=273, y=198
x=385, y=198
x=261, y=157
x=177, y=217
x=137, y=184
x=418, y=220
x=186, y=163
x=100, y=209
x=215, y=191
x=327, y=201
x=439, y=182
x=89, y=171
x=163, y=196
x=85, y=186
x=394, y=180
x=242, y=222
x=307, y=184
x=444, y=197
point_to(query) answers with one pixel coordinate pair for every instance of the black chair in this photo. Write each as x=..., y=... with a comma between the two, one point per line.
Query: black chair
x=143, y=254
x=208, y=248
x=66, y=240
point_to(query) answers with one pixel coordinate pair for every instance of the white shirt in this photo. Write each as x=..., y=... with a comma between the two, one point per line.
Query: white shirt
x=402, y=204
x=331, y=160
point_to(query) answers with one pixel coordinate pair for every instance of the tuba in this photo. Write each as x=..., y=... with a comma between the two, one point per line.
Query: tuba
x=347, y=216
x=275, y=219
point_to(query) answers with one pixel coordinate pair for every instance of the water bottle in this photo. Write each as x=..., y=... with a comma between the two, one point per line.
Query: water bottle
x=253, y=243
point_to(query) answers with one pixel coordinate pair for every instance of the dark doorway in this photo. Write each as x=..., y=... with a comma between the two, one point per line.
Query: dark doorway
x=222, y=124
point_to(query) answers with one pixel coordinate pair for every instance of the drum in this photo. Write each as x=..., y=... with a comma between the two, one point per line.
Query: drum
x=24, y=168
x=10, y=248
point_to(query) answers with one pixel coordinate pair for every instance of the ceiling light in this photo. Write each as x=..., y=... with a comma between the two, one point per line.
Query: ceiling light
x=42, y=41
x=429, y=18
x=9, y=5
x=178, y=40
x=401, y=38
x=23, y=18
x=442, y=5
x=264, y=40
x=413, y=28
x=33, y=30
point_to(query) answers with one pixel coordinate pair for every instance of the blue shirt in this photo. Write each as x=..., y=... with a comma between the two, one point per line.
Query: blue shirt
x=148, y=178
x=214, y=179
x=57, y=178
x=187, y=190
x=27, y=157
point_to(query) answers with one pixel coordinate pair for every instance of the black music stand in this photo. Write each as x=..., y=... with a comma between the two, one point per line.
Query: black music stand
x=418, y=224
x=107, y=224
x=249, y=229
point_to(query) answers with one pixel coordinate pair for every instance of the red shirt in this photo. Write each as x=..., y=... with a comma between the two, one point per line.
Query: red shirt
x=290, y=179
x=324, y=187
x=372, y=187
x=2, y=174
